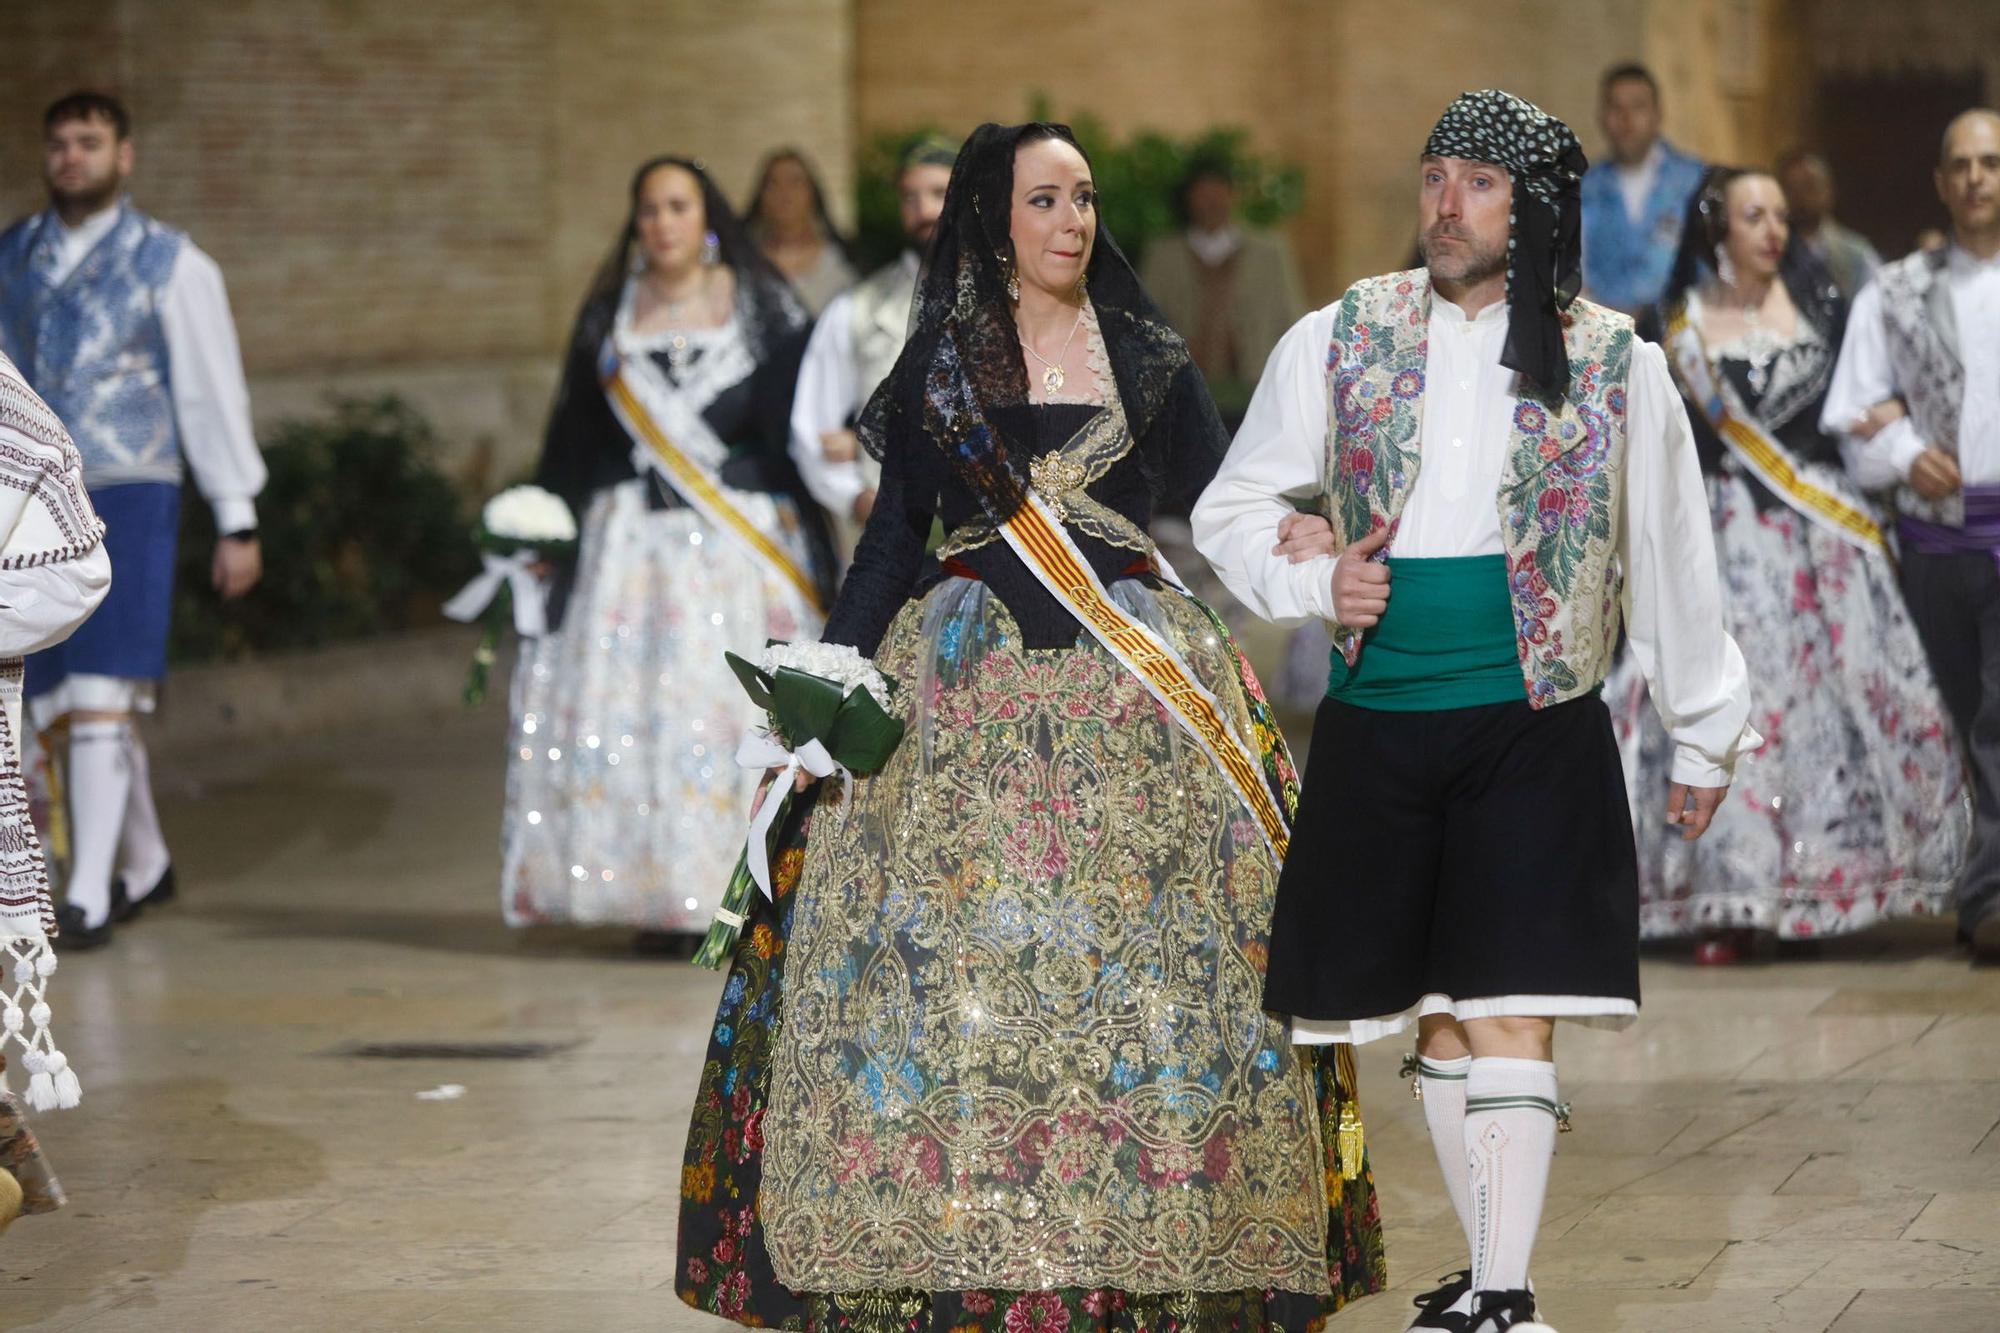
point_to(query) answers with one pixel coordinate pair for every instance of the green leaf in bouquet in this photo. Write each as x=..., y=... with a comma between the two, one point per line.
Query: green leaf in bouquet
x=804, y=705
x=756, y=683
x=863, y=735
x=718, y=947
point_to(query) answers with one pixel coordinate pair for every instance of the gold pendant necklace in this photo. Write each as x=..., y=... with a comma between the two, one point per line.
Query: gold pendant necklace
x=1053, y=376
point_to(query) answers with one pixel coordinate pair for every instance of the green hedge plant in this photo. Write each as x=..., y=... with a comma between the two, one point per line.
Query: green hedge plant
x=1137, y=175
x=362, y=535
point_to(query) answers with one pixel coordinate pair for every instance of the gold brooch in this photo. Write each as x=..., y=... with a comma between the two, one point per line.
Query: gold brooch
x=1055, y=477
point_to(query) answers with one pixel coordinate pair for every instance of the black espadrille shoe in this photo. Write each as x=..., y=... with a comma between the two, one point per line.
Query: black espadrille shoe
x=1505, y=1312
x=1434, y=1306
x=76, y=937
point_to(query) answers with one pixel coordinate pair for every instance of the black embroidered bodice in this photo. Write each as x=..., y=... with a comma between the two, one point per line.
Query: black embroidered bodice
x=918, y=485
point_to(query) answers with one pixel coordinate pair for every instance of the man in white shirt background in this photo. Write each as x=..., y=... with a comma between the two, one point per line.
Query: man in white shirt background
x=123, y=326
x=855, y=344
x=1503, y=464
x=1926, y=331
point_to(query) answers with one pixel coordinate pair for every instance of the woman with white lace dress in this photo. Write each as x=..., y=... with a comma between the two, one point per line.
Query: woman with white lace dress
x=668, y=439
x=1854, y=809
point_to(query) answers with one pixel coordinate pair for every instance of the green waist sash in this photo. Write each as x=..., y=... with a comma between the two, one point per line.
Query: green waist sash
x=1446, y=641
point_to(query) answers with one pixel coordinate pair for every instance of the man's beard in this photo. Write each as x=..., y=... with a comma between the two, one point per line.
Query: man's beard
x=1470, y=263
x=93, y=197
x=920, y=239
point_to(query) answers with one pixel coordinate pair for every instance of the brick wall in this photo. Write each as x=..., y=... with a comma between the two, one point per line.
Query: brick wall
x=1173, y=65
x=412, y=195
x=1348, y=90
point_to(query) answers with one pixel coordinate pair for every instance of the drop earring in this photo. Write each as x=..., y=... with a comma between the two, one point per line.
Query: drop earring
x=711, y=250
x=1013, y=280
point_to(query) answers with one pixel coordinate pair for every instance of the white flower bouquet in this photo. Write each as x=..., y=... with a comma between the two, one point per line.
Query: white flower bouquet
x=828, y=712
x=519, y=529
x=528, y=516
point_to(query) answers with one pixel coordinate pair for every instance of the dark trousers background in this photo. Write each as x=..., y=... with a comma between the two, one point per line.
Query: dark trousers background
x=1955, y=601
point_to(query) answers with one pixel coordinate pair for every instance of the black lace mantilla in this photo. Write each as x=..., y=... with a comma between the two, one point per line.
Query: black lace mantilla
x=931, y=469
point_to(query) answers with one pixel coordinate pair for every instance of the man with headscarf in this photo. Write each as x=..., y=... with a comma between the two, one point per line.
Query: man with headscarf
x=854, y=345
x=1504, y=465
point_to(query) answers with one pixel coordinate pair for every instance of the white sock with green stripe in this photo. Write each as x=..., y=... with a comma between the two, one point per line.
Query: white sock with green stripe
x=1510, y=1139
x=1444, y=1112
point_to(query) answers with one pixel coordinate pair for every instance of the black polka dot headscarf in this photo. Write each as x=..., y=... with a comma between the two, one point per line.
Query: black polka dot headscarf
x=1545, y=245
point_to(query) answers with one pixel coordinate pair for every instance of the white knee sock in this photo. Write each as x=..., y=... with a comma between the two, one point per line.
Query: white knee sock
x=100, y=778
x=142, y=847
x=1510, y=1137
x=1444, y=1111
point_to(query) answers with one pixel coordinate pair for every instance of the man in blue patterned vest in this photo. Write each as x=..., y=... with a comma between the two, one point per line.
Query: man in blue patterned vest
x=1633, y=203
x=1508, y=472
x=123, y=326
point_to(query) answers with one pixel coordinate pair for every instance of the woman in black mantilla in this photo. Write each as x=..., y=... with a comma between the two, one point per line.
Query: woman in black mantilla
x=624, y=801
x=1023, y=1078
x=1854, y=809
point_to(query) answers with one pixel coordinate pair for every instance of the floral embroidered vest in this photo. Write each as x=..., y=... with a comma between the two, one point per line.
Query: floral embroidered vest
x=1560, y=491
x=1921, y=330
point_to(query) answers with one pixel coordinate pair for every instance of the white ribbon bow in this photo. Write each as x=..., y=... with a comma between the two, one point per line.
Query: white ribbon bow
x=760, y=749
x=531, y=615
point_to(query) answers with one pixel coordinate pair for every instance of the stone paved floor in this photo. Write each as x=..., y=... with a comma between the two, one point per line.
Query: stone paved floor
x=1805, y=1145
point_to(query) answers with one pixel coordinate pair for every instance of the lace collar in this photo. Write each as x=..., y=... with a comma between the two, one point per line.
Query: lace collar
x=1093, y=389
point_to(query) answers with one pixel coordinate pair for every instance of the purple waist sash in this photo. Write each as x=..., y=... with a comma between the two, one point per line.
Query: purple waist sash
x=1981, y=532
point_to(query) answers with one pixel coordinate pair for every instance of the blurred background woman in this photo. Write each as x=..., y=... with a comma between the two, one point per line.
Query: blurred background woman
x=668, y=439
x=787, y=218
x=1854, y=810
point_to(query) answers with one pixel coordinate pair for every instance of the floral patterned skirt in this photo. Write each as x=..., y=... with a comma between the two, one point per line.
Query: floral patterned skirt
x=1022, y=1078
x=1855, y=810
x=21, y=1157
x=625, y=805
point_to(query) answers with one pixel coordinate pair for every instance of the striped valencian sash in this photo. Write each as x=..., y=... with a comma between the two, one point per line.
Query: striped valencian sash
x=1819, y=499
x=693, y=480
x=1049, y=553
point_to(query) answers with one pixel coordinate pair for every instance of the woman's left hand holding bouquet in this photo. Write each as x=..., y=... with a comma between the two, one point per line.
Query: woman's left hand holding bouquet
x=827, y=709
x=520, y=531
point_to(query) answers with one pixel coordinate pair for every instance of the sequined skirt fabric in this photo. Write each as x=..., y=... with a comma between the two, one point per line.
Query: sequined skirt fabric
x=625, y=805
x=1023, y=1045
